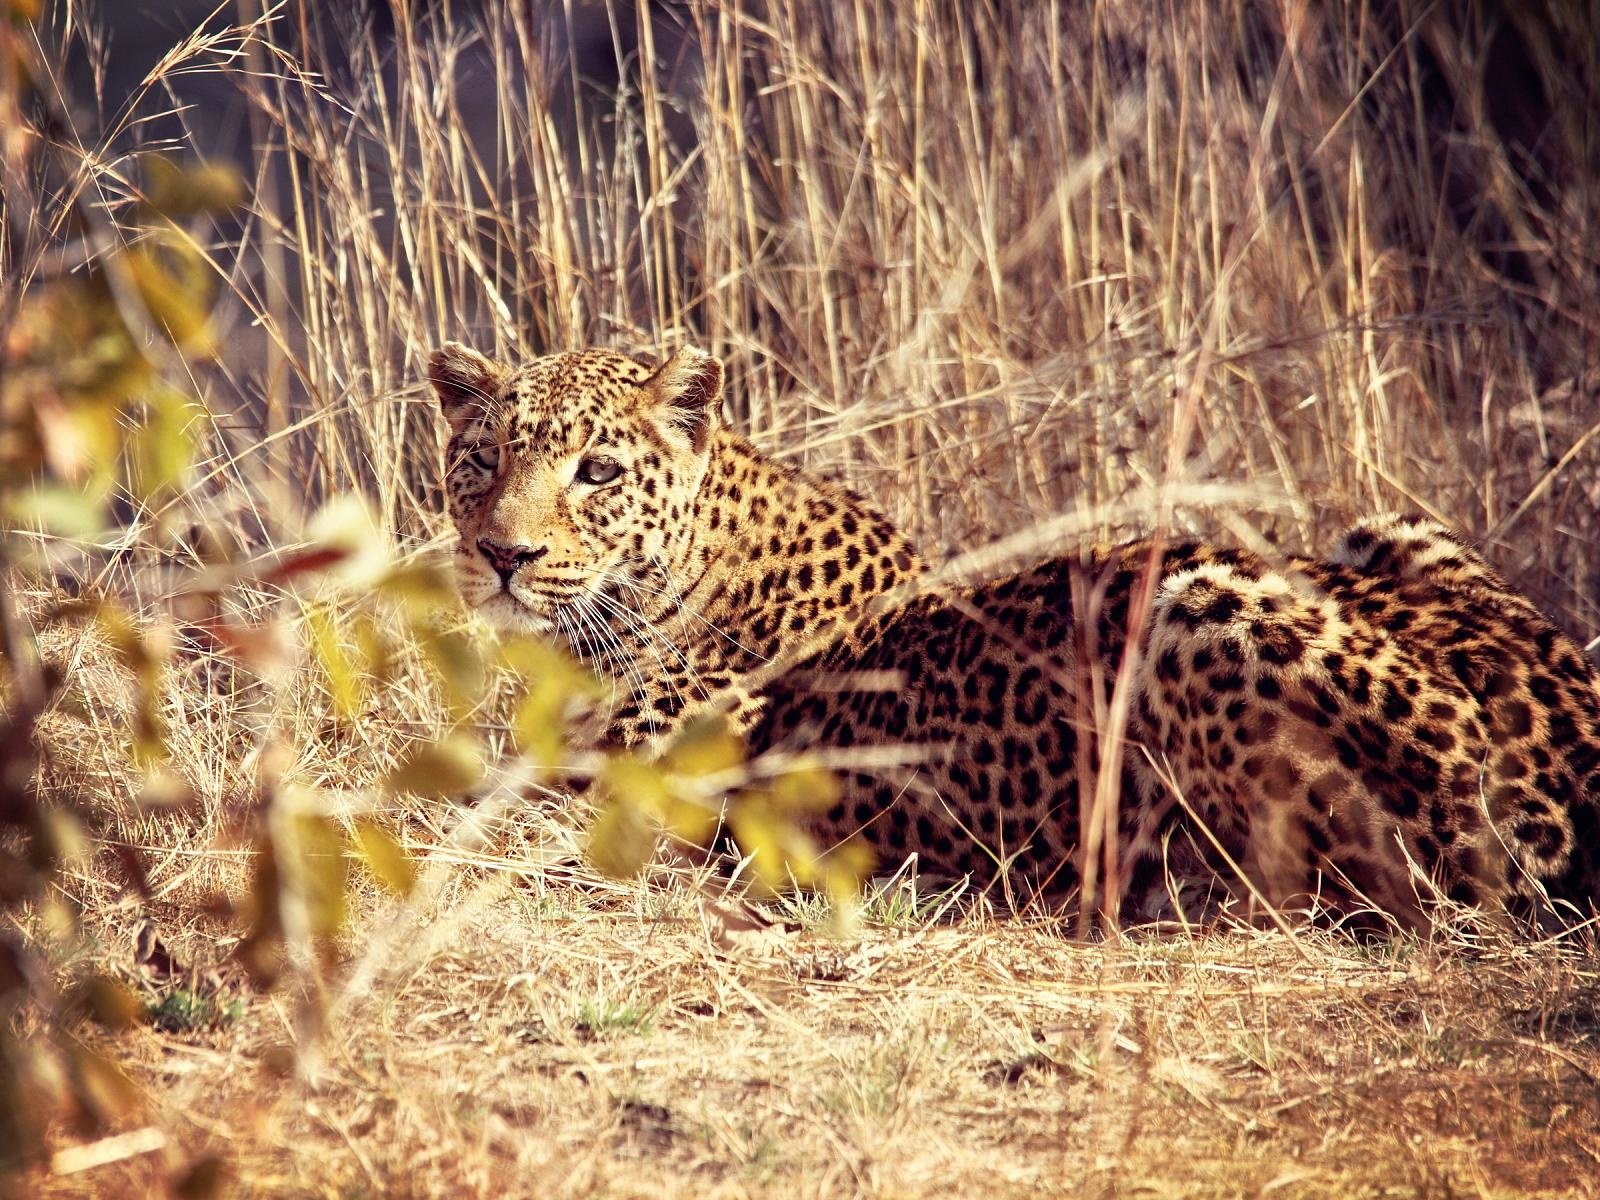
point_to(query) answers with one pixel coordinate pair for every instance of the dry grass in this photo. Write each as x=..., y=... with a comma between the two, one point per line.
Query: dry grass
x=1255, y=268
x=574, y=1044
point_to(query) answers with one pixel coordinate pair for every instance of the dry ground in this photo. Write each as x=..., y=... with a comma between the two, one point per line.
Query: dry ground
x=518, y=1038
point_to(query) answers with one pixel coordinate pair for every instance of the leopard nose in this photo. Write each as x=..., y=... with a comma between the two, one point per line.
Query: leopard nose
x=506, y=559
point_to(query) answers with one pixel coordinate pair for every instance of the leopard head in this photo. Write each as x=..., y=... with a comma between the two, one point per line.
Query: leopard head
x=572, y=479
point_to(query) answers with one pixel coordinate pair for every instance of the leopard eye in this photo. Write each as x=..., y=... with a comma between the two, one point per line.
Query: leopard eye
x=485, y=455
x=598, y=470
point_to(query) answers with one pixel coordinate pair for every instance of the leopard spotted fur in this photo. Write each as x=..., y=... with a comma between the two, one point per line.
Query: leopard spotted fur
x=1385, y=727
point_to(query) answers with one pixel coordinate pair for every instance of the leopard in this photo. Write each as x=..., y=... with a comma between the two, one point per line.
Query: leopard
x=1171, y=727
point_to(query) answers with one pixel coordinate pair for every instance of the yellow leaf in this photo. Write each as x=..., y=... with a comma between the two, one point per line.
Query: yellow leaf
x=557, y=687
x=143, y=651
x=692, y=819
x=549, y=666
x=437, y=770
x=805, y=788
x=180, y=191
x=536, y=659
x=80, y=440
x=671, y=800
x=376, y=648
x=162, y=789
x=261, y=950
x=621, y=840
x=760, y=836
x=844, y=867
x=344, y=681
x=201, y=1179
x=319, y=861
x=538, y=726
x=540, y=722
x=162, y=450
x=106, y=1002
x=706, y=746
x=58, y=916
x=636, y=784
x=266, y=649
x=385, y=858
x=844, y=918
x=64, y=836
x=782, y=851
x=423, y=586
x=67, y=512
x=458, y=664
x=99, y=1085
x=180, y=307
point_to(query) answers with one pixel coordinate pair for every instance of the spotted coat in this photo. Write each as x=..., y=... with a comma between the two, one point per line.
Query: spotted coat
x=1384, y=728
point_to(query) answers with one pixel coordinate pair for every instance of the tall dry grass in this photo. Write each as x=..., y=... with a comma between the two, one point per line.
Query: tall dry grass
x=1026, y=274
x=977, y=258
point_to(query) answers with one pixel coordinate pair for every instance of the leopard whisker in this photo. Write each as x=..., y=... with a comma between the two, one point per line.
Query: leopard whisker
x=655, y=634
x=650, y=637
x=686, y=610
x=622, y=661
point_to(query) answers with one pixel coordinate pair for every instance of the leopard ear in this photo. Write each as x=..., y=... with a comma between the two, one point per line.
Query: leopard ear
x=463, y=379
x=688, y=387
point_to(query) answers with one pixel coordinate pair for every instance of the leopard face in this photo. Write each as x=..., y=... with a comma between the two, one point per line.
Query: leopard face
x=571, y=479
